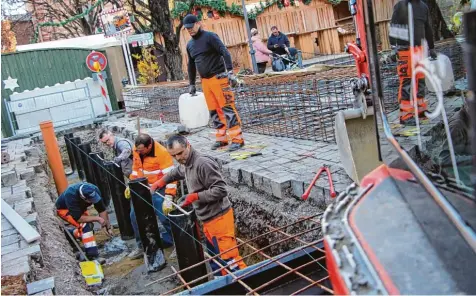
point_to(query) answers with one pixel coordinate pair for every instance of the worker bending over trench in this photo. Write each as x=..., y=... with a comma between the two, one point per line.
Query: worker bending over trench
x=72, y=207
x=209, y=198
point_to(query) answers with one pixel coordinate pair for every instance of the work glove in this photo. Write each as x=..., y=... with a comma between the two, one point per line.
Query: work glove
x=127, y=193
x=433, y=54
x=232, y=80
x=157, y=185
x=167, y=206
x=189, y=199
x=192, y=90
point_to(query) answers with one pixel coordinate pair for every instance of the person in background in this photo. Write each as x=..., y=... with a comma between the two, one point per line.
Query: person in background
x=209, y=197
x=279, y=44
x=72, y=206
x=261, y=51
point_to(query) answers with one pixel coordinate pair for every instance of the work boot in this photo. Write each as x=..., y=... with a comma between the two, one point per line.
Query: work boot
x=217, y=145
x=136, y=254
x=235, y=146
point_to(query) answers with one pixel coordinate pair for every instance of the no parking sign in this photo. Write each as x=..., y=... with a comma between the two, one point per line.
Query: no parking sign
x=96, y=57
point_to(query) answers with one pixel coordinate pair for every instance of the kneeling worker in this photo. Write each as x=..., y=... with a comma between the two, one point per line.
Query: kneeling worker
x=72, y=207
x=209, y=198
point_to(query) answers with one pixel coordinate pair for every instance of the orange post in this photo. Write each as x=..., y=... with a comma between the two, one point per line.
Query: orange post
x=54, y=156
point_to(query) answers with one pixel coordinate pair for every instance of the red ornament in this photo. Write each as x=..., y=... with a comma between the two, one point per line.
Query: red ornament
x=216, y=15
x=287, y=3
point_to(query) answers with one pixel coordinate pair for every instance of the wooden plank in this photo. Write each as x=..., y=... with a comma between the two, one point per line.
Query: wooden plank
x=25, y=229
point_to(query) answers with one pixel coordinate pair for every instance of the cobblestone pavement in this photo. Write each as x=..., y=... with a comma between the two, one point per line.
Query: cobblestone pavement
x=285, y=169
x=24, y=162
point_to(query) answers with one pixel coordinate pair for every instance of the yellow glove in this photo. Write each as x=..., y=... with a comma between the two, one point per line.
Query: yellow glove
x=167, y=206
x=127, y=193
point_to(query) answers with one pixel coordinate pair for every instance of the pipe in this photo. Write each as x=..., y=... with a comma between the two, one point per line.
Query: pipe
x=186, y=234
x=67, y=141
x=122, y=206
x=54, y=156
x=146, y=222
x=75, y=142
x=84, y=157
x=100, y=175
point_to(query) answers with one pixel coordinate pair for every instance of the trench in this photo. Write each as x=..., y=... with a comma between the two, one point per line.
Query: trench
x=255, y=213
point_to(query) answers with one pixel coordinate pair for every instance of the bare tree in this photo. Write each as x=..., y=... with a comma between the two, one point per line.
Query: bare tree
x=157, y=14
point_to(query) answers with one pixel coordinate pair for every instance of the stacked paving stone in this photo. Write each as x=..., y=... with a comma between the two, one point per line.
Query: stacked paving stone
x=24, y=162
x=285, y=169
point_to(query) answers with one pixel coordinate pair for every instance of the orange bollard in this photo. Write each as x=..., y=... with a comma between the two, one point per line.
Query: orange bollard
x=54, y=156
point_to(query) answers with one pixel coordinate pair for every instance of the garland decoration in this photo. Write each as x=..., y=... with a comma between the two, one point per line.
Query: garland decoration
x=65, y=22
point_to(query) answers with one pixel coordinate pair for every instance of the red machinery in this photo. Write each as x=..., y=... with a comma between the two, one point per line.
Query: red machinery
x=397, y=232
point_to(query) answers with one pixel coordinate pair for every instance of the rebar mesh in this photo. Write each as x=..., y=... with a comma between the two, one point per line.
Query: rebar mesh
x=301, y=109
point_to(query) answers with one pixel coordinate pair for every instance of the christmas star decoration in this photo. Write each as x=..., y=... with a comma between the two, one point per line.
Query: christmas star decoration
x=10, y=83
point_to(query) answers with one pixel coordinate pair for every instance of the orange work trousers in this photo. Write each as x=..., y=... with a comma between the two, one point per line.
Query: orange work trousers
x=84, y=231
x=220, y=234
x=221, y=104
x=405, y=94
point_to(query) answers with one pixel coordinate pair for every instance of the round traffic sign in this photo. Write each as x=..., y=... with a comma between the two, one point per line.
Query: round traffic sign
x=98, y=57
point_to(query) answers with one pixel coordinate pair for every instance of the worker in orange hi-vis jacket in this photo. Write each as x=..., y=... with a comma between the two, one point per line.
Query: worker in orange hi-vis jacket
x=152, y=161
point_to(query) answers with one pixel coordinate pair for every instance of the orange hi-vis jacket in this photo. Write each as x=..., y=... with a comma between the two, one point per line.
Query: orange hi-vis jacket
x=154, y=166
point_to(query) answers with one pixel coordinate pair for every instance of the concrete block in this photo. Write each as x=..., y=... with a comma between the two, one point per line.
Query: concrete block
x=30, y=251
x=28, y=174
x=280, y=185
x=261, y=180
x=32, y=152
x=9, y=178
x=297, y=188
x=10, y=239
x=16, y=266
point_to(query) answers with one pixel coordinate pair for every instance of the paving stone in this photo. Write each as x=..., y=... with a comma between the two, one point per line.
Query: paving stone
x=33, y=250
x=6, y=225
x=261, y=180
x=235, y=175
x=281, y=184
x=9, y=232
x=297, y=187
x=10, y=248
x=41, y=285
x=32, y=219
x=9, y=178
x=23, y=208
x=247, y=174
x=10, y=239
x=16, y=266
x=21, y=183
x=32, y=152
x=37, y=167
x=28, y=174
x=11, y=199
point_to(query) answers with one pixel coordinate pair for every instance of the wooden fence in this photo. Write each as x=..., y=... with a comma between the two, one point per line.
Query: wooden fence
x=311, y=28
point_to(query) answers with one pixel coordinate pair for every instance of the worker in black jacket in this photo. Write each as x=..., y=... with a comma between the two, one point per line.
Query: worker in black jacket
x=399, y=37
x=208, y=55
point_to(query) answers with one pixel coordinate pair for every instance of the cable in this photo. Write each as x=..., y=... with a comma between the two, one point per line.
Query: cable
x=156, y=211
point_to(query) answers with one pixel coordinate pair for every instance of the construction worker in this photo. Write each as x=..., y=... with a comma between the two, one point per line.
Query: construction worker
x=123, y=157
x=122, y=150
x=208, y=55
x=399, y=37
x=209, y=198
x=152, y=161
x=72, y=207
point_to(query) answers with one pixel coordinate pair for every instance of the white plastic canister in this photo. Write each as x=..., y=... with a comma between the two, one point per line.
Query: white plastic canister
x=193, y=110
x=444, y=71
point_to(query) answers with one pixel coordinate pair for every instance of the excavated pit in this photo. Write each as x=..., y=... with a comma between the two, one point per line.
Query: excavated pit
x=254, y=213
